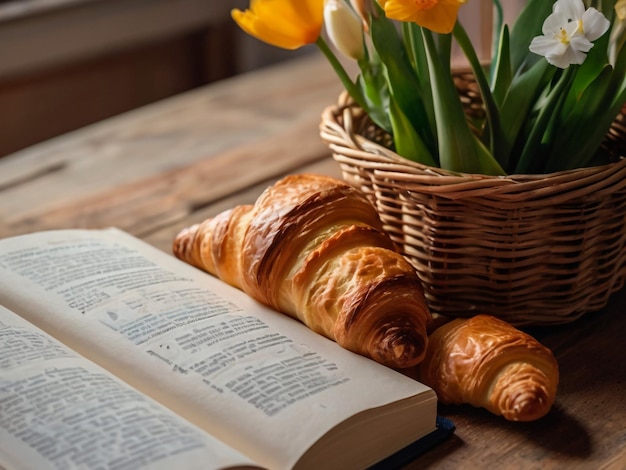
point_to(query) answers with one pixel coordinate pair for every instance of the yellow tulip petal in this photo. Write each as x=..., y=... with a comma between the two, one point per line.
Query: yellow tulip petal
x=288, y=24
x=436, y=15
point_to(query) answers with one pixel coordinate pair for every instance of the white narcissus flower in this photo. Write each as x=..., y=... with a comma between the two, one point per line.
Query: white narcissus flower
x=344, y=28
x=568, y=33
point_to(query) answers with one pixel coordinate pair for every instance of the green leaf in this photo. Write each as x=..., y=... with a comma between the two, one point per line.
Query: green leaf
x=572, y=135
x=588, y=125
x=517, y=108
x=403, y=84
x=526, y=27
x=502, y=74
x=417, y=53
x=458, y=150
x=493, y=130
x=444, y=50
x=533, y=156
x=376, y=91
x=486, y=163
x=498, y=24
x=407, y=141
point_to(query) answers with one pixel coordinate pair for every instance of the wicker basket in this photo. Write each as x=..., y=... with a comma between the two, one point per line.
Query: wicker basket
x=530, y=249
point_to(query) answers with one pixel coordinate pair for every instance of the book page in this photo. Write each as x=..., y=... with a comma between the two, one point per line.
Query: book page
x=248, y=375
x=60, y=411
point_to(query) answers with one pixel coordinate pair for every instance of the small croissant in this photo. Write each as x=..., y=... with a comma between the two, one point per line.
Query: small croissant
x=313, y=247
x=488, y=363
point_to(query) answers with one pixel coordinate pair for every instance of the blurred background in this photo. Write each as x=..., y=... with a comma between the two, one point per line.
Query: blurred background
x=65, y=64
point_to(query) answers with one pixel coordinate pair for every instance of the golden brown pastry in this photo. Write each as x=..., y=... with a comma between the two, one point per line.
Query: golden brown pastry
x=313, y=247
x=488, y=363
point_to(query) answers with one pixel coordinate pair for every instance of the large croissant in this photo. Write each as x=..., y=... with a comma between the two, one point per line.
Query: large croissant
x=313, y=247
x=488, y=363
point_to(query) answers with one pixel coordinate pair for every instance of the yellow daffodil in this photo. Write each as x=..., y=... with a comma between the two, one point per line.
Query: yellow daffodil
x=437, y=15
x=288, y=24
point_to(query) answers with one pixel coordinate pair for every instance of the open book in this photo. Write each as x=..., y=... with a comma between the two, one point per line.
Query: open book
x=116, y=355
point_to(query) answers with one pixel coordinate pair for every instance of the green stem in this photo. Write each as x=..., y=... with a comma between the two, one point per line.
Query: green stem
x=456, y=148
x=415, y=44
x=354, y=91
x=459, y=149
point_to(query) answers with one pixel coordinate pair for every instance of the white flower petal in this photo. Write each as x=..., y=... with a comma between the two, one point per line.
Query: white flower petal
x=553, y=24
x=572, y=10
x=567, y=58
x=595, y=24
x=581, y=43
x=568, y=32
x=546, y=46
x=573, y=28
x=575, y=57
x=559, y=61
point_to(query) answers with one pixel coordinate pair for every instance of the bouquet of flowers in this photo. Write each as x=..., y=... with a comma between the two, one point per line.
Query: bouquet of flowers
x=555, y=83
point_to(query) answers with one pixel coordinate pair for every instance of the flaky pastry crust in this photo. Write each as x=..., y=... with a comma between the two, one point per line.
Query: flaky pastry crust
x=486, y=362
x=313, y=247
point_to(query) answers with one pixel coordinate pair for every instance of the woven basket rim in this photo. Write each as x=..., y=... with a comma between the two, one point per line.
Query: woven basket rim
x=388, y=156
x=351, y=148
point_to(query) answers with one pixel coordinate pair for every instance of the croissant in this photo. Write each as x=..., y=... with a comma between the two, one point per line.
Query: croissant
x=486, y=362
x=313, y=247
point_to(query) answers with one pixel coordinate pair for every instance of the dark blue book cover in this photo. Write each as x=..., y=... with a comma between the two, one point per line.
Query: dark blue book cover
x=445, y=428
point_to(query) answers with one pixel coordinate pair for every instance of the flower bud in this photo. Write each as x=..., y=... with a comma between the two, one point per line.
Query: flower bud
x=618, y=32
x=344, y=28
x=620, y=9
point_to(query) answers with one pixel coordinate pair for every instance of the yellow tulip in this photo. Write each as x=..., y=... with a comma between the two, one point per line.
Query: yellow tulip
x=437, y=15
x=288, y=24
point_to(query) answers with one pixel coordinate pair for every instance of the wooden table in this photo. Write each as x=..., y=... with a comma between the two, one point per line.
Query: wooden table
x=168, y=165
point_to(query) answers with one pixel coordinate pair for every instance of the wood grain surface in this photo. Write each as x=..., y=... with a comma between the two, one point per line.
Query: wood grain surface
x=158, y=169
